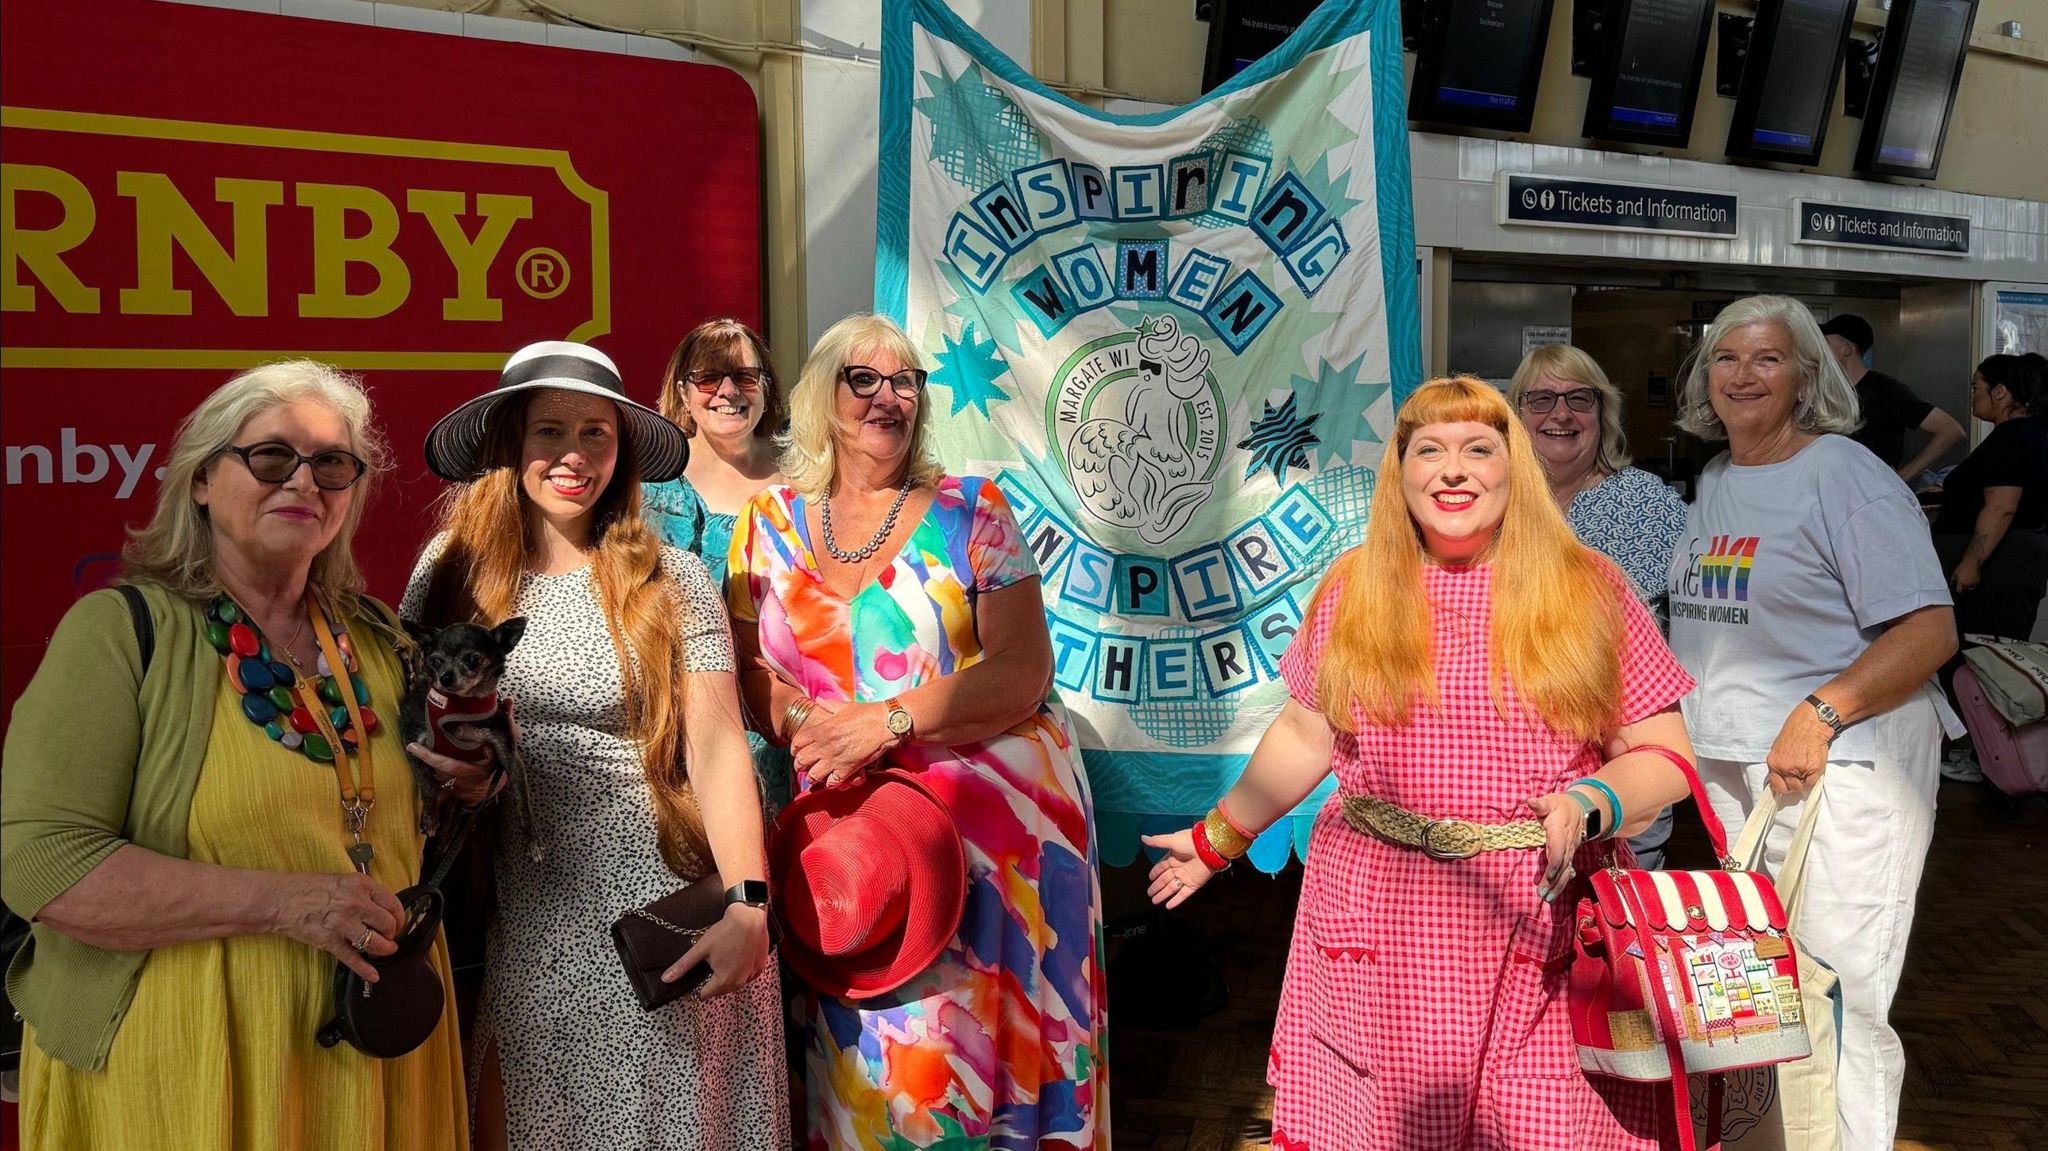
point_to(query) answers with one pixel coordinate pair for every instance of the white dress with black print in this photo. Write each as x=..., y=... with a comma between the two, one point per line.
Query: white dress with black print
x=583, y=1066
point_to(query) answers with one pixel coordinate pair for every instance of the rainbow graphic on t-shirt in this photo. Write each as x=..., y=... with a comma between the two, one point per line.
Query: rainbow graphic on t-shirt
x=1727, y=561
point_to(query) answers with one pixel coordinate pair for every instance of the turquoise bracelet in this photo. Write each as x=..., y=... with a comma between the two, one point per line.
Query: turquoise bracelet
x=1614, y=827
x=1593, y=818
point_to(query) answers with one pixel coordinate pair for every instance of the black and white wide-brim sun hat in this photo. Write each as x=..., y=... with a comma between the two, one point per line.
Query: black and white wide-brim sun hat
x=455, y=445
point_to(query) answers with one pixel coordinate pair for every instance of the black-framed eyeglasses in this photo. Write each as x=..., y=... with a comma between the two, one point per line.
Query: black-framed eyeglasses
x=334, y=470
x=866, y=381
x=745, y=379
x=1578, y=400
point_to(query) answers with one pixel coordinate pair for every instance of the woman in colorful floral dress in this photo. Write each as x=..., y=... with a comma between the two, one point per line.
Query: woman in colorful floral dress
x=885, y=609
x=1482, y=731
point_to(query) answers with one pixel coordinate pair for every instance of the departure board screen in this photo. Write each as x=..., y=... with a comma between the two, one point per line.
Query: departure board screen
x=1480, y=64
x=1918, y=71
x=1788, y=84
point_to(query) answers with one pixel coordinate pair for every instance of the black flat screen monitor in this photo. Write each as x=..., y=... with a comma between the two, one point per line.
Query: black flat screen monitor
x=1241, y=32
x=1919, y=68
x=1648, y=76
x=1478, y=63
x=1788, y=83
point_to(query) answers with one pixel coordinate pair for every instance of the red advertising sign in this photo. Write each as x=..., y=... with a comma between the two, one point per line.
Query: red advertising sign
x=189, y=191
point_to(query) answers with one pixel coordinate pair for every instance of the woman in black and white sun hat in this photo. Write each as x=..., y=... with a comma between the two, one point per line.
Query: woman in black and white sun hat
x=638, y=770
x=455, y=445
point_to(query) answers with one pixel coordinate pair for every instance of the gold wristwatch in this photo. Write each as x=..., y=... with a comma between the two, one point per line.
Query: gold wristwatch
x=899, y=720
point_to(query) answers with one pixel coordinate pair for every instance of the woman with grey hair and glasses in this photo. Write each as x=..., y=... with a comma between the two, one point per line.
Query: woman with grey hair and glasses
x=203, y=811
x=1807, y=602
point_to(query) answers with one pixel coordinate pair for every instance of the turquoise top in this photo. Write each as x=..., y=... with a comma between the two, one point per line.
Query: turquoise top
x=677, y=513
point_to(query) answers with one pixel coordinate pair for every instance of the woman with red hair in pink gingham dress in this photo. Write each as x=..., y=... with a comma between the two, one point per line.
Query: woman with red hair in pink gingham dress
x=1424, y=1005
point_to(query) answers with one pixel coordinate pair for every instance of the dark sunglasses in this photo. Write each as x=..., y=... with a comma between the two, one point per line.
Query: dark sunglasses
x=866, y=381
x=1579, y=400
x=334, y=470
x=745, y=379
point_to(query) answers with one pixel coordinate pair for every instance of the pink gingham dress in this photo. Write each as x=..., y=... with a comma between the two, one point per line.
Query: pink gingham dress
x=1424, y=1005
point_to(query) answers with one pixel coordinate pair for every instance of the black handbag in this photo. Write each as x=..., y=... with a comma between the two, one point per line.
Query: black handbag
x=396, y=1014
x=650, y=939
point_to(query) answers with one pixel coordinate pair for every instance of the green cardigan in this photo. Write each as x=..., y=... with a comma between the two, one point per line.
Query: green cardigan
x=69, y=796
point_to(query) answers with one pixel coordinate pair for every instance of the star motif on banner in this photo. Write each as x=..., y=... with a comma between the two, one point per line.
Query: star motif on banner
x=1279, y=440
x=969, y=368
x=1346, y=404
x=979, y=135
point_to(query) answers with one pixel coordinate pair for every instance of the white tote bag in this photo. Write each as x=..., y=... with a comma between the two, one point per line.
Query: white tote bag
x=1786, y=1106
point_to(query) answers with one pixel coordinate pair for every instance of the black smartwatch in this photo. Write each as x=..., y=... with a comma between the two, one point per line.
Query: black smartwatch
x=752, y=892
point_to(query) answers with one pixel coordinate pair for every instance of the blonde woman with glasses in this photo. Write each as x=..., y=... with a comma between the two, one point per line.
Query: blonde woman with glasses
x=1573, y=414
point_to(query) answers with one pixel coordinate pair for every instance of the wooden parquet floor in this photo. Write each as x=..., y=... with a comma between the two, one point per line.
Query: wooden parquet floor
x=1972, y=1008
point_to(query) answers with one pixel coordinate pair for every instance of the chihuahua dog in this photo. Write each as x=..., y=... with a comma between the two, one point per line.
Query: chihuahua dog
x=452, y=706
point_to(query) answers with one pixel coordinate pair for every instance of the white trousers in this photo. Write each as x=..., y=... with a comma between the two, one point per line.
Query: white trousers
x=1876, y=821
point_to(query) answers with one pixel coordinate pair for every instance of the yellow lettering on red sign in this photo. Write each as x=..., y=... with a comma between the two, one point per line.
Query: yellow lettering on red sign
x=348, y=243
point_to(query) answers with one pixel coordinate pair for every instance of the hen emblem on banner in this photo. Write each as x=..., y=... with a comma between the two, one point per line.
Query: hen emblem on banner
x=1177, y=341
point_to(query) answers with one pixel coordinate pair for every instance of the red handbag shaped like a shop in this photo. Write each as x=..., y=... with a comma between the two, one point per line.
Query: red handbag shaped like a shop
x=1679, y=973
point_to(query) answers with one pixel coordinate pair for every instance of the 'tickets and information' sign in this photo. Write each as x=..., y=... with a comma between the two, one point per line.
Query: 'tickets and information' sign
x=1850, y=226
x=1602, y=205
x=191, y=191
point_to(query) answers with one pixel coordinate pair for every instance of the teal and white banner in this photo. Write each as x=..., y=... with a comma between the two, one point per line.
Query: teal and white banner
x=1176, y=340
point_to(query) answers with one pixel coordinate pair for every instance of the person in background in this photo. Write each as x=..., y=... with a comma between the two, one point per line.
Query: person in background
x=180, y=845
x=1492, y=697
x=889, y=615
x=1992, y=529
x=637, y=765
x=721, y=389
x=1888, y=406
x=1807, y=601
x=1573, y=414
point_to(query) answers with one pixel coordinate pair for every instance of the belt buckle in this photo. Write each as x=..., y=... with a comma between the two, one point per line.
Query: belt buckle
x=1467, y=839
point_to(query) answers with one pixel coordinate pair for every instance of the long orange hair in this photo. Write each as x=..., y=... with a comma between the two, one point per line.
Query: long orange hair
x=1557, y=625
x=489, y=548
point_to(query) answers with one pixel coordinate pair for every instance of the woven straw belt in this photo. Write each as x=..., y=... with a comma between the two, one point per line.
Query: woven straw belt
x=1437, y=838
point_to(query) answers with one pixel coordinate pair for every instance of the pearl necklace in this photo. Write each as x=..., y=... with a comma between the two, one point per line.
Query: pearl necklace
x=881, y=533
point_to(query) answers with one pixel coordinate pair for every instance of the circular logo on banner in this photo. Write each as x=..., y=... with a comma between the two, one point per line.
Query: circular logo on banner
x=1136, y=420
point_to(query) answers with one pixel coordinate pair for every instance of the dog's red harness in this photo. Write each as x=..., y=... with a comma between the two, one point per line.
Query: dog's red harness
x=447, y=712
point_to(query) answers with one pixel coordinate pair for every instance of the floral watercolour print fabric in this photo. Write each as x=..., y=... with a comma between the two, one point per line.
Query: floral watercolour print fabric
x=1424, y=1003
x=999, y=1043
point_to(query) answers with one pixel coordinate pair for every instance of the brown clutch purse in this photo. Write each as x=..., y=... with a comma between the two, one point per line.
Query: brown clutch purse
x=650, y=939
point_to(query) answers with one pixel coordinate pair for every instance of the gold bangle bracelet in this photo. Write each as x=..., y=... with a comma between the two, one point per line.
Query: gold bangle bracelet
x=796, y=714
x=1227, y=841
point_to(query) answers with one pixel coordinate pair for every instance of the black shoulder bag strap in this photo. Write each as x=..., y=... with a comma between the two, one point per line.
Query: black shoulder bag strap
x=145, y=624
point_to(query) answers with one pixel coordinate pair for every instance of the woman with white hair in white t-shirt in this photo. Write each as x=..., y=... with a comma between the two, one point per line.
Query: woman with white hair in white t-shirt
x=1807, y=601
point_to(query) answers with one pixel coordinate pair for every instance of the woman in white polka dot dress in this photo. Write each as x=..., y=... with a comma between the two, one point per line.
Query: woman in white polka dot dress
x=547, y=525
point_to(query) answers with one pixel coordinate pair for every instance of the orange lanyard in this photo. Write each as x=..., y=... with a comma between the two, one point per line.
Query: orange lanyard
x=358, y=784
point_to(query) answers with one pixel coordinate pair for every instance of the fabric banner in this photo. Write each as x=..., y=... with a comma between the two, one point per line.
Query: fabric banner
x=1176, y=340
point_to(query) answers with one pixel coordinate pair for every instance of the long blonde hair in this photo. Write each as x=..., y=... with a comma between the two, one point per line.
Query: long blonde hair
x=488, y=550
x=1557, y=627
x=810, y=457
x=175, y=549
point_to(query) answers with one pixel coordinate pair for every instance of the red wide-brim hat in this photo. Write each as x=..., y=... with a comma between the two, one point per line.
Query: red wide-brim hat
x=870, y=881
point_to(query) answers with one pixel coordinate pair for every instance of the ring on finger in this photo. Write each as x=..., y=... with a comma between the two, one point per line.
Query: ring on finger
x=363, y=944
x=447, y=784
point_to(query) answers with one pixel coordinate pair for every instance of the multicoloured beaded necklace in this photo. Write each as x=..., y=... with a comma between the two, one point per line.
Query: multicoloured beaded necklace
x=293, y=708
x=268, y=686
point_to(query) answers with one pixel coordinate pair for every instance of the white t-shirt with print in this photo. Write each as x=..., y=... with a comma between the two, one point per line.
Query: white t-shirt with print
x=1785, y=574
